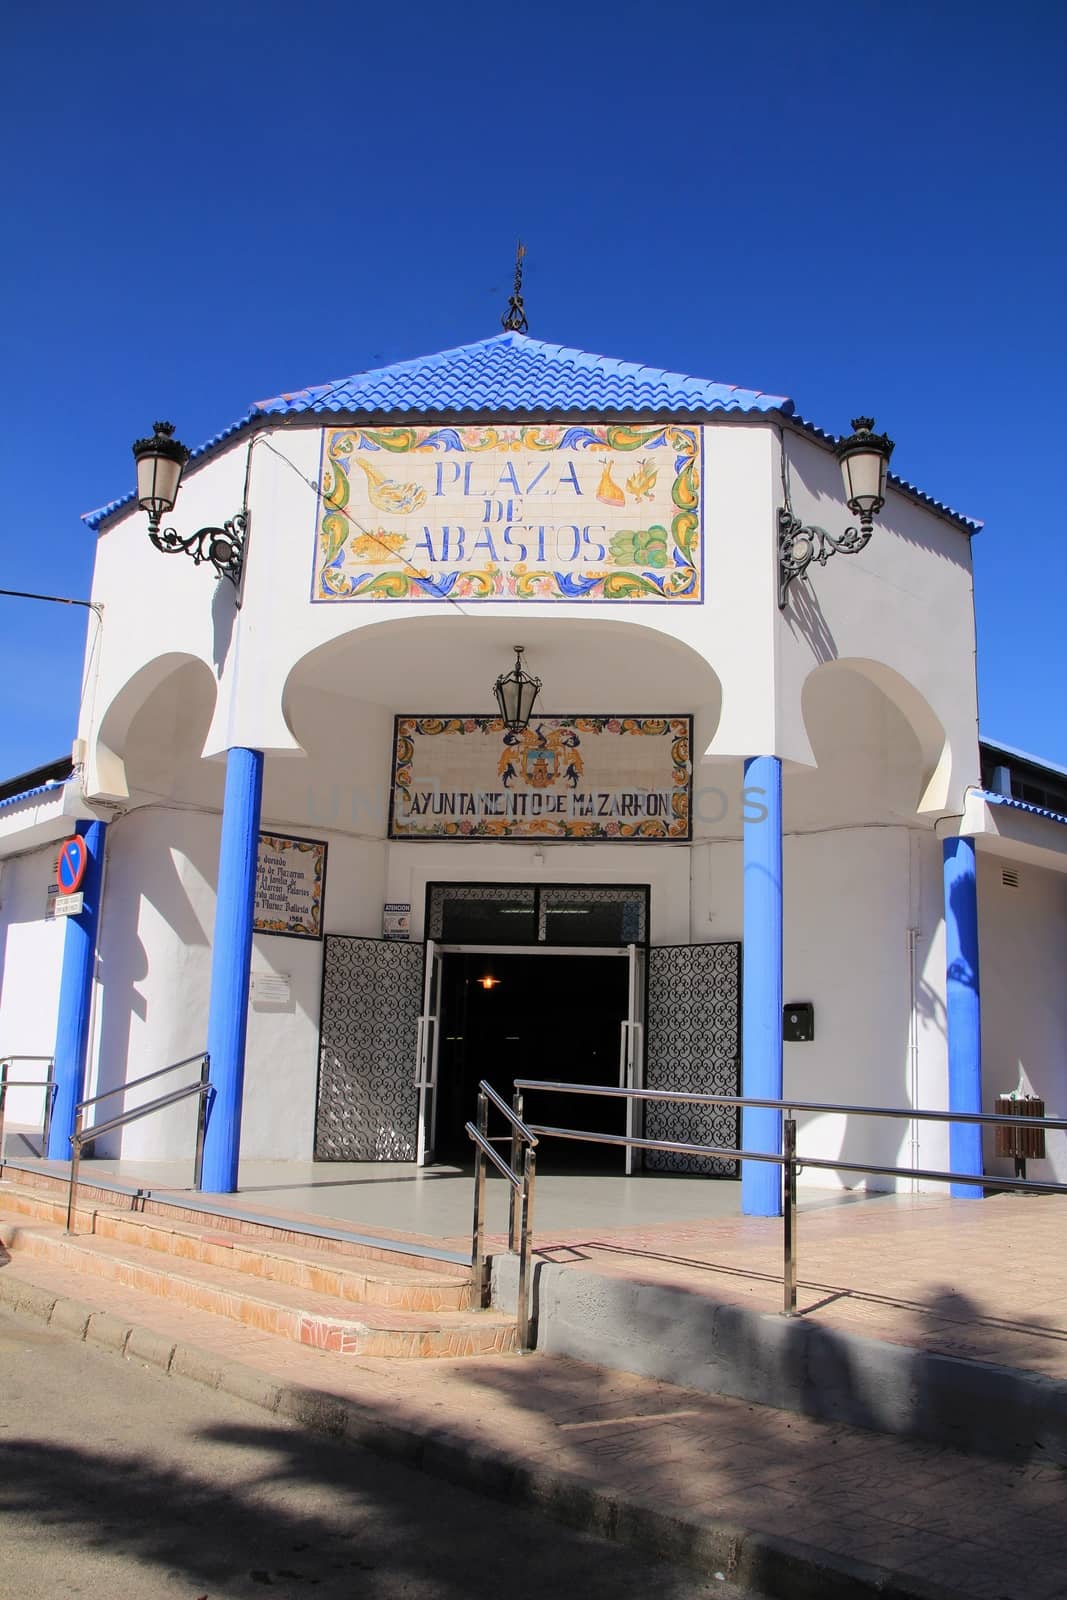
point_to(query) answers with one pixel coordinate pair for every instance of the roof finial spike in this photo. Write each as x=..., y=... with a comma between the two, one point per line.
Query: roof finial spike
x=514, y=318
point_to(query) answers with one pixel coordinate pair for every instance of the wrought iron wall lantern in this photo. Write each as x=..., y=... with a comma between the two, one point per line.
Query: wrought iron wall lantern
x=515, y=693
x=160, y=461
x=864, y=458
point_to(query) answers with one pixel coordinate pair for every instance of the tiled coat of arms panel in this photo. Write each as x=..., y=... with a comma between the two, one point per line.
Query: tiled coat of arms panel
x=694, y=1042
x=371, y=996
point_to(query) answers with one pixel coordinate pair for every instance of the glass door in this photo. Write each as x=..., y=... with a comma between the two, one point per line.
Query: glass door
x=427, y=1045
x=632, y=1053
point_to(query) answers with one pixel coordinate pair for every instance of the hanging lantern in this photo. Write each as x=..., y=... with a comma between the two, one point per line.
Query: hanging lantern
x=515, y=693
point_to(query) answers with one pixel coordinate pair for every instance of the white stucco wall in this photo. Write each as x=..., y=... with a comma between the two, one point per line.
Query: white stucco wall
x=851, y=895
x=154, y=981
x=1023, y=944
x=905, y=603
x=31, y=958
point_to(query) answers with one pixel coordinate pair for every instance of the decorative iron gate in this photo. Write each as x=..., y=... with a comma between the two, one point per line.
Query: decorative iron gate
x=367, y=1102
x=694, y=1042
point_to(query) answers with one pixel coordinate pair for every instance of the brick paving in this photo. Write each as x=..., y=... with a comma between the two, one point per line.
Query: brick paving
x=982, y=1529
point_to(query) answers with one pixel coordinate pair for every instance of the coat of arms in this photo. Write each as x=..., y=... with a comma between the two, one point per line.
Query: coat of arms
x=541, y=758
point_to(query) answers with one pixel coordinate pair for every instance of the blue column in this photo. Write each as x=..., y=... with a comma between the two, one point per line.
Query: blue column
x=230, y=963
x=761, y=993
x=76, y=994
x=964, y=1012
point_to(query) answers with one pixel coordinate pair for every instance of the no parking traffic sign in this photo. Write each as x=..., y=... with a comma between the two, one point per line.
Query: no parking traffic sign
x=70, y=868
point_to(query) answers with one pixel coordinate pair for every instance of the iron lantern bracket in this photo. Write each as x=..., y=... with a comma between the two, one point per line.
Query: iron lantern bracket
x=800, y=546
x=223, y=547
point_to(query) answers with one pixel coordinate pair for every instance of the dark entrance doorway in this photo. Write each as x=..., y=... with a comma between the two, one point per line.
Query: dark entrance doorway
x=508, y=1016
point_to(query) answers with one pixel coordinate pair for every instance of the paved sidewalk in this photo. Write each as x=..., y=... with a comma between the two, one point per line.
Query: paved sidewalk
x=786, y=1505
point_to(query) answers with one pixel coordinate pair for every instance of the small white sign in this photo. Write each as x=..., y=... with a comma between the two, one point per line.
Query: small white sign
x=69, y=905
x=271, y=989
x=396, y=920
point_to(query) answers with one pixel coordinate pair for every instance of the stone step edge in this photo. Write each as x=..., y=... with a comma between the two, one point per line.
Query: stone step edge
x=783, y=1569
x=376, y=1321
x=251, y=1224
x=156, y=1233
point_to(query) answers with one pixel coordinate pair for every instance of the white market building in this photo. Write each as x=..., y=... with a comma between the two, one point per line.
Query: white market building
x=612, y=871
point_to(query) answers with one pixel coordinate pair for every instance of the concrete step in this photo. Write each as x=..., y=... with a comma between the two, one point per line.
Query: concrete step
x=48, y=1192
x=32, y=1202
x=394, y=1284
x=304, y=1315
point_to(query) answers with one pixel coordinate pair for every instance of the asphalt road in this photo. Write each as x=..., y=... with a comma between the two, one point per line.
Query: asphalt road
x=119, y=1482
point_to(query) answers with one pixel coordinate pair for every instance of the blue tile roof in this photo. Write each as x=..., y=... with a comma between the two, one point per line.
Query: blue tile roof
x=29, y=794
x=1021, y=805
x=514, y=373
x=509, y=372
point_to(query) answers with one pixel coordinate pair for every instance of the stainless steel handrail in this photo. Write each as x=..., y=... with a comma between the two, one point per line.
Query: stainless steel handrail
x=723, y=1152
x=790, y=1162
x=82, y=1135
x=906, y=1114
x=47, y=1083
x=521, y=1175
x=135, y=1083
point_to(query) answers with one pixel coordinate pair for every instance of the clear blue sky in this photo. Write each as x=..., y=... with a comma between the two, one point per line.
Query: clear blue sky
x=860, y=206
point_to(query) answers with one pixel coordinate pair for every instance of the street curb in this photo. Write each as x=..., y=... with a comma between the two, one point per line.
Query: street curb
x=772, y=1566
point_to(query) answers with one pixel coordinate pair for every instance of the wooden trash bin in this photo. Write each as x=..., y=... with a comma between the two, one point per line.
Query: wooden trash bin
x=1023, y=1144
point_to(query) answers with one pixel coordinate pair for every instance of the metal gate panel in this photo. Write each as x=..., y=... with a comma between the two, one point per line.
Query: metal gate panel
x=694, y=1043
x=368, y=1103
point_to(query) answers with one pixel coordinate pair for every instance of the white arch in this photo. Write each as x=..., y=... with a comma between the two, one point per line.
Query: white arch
x=449, y=662
x=106, y=777
x=935, y=750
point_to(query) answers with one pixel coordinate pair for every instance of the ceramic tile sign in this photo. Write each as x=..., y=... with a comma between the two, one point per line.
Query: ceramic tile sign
x=521, y=512
x=290, y=886
x=600, y=778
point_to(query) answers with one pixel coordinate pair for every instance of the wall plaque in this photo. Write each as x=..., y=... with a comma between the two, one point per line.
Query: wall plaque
x=530, y=512
x=590, y=778
x=290, y=886
x=396, y=919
